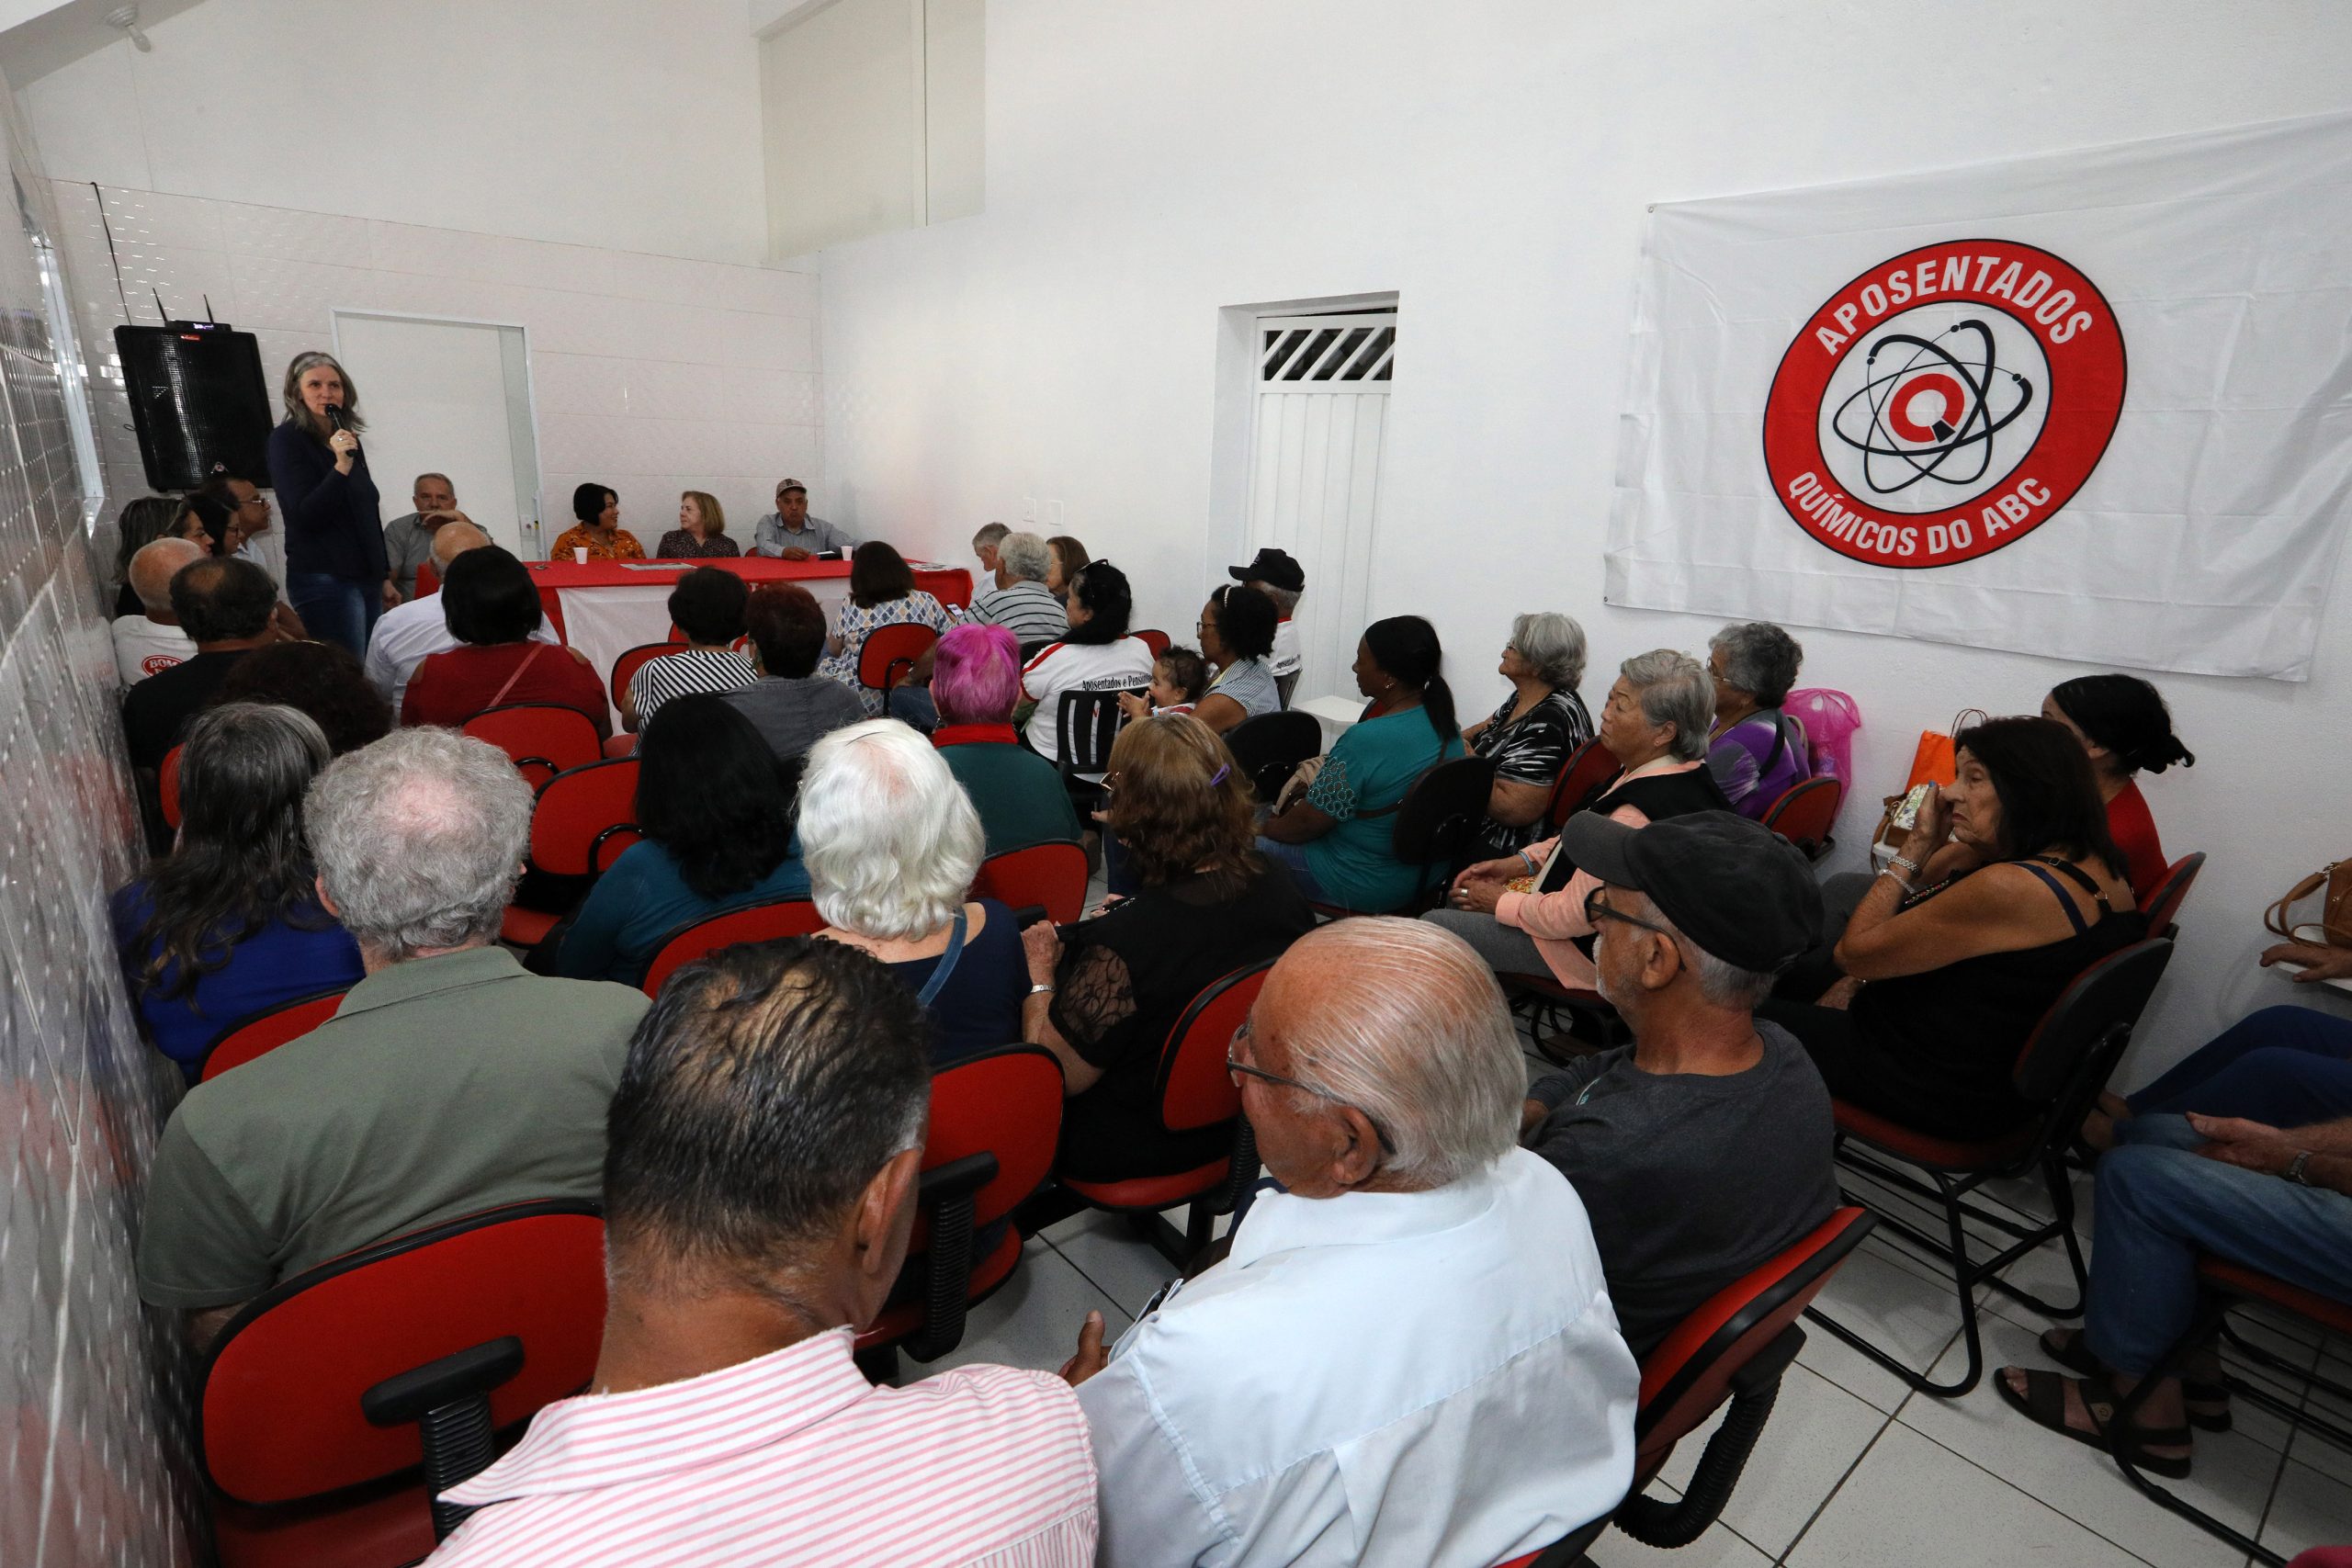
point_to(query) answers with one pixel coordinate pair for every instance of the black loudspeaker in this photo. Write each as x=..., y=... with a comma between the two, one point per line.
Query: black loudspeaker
x=198, y=397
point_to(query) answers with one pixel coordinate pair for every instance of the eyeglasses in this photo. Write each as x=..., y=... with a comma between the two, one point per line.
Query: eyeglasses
x=1596, y=912
x=1319, y=1092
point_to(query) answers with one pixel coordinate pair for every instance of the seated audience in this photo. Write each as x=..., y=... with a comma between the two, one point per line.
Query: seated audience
x=228, y=924
x=2277, y=1200
x=408, y=538
x=715, y=810
x=1526, y=913
x=492, y=607
x=1020, y=601
x=1757, y=753
x=2122, y=722
x=225, y=606
x=985, y=543
x=750, y=1231
x=1536, y=729
x=2281, y=1067
x=1110, y=988
x=1408, y=1356
x=400, y=1110
x=882, y=593
x=790, y=532
x=1237, y=634
x=152, y=640
x=1703, y=1149
x=1335, y=834
x=1947, y=975
x=701, y=533
x=1065, y=557
x=1280, y=578
x=892, y=845
x=141, y=524
x=407, y=635
x=790, y=703
x=598, y=530
x=1095, y=654
x=1178, y=677
x=1018, y=795
x=315, y=678
x=707, y=605
x=225, y=515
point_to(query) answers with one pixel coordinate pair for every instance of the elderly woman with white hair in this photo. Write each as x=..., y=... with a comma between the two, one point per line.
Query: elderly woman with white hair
x=891, y=845
x=1531, y=737
x=1756, y=753
x=1525, y=912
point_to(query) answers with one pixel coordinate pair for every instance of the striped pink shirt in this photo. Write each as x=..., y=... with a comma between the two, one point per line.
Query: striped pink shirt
x=795, y=1459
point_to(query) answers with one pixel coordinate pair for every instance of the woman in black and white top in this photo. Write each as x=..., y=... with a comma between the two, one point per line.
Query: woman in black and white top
x=1536, y=729
x=707, y=605
x=1095, y=655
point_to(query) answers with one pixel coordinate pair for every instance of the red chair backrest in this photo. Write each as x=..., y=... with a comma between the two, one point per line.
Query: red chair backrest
x=890, y=653
x=2113, y=991
x=2163, y=903
x=1689, y=1373
x=584, y=818
x=1007, y=1102
x=263, y=1033
x=1196, y=1090
x=168, y=787
x=1589, y=767
x=1153, y=639
x=771, y=922
x=544, y=739
x=1052, y=876
x=626, y=666
x=277, y=1404
x=428, y=581
x=1806, y=813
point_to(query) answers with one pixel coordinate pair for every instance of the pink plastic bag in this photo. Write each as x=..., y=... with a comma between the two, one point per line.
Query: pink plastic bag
x=1830, y=719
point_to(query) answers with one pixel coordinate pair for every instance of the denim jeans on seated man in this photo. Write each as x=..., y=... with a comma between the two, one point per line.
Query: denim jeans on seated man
x=2284, y=1066
x=2161, y=1205
x=913, y=705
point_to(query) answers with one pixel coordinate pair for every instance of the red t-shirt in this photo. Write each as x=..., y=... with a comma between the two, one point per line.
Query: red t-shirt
x=450, y=688
x=2135, y=832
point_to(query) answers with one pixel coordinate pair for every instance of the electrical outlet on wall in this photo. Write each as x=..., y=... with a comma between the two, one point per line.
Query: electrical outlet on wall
x=1054, y=518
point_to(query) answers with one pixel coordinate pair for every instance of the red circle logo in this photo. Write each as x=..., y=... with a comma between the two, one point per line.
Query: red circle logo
x=1945, y=403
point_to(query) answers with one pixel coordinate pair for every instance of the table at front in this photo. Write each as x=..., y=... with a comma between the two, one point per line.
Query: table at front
x=606, y=608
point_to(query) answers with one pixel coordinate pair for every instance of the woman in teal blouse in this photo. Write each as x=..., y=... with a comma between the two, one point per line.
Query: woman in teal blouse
x=1335, y=834
x=716, y=809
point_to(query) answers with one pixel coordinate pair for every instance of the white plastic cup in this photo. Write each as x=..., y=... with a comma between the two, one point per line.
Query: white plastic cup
x=580, y=554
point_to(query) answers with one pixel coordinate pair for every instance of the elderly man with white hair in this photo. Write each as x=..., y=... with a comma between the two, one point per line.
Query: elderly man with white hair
x=1409, y=1358
x=407, y=635
x=152, y=641
x=449, y=1081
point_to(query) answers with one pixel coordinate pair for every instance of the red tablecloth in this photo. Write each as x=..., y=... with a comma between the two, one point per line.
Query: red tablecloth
x=951, y=586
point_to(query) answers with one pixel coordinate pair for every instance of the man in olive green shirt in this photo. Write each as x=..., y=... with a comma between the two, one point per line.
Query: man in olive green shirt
x=448, y=1082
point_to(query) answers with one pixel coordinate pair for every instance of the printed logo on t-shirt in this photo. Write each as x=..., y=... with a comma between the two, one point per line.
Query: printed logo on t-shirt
x=156, y=663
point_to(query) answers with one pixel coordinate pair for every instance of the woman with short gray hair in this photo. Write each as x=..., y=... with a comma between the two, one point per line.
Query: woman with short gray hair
x=1538, y=727
x=891, y=843
x=1756, y=753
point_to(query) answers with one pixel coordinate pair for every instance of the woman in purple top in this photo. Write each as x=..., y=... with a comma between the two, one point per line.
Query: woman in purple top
x=229, y=924
x=1756, y=752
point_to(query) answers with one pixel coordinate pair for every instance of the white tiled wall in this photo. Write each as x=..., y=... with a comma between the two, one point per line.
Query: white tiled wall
x=651, y=374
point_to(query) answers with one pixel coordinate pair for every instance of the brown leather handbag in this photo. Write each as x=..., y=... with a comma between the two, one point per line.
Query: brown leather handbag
x=2334, y=907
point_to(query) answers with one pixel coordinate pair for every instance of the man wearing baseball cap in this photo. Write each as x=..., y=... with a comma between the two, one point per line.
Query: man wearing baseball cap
x=1283, y=580
x=790, y=532
x=1704, y=1148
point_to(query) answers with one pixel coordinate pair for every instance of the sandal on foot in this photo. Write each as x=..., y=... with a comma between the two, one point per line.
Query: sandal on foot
x=2208, y=1403
x=2043, y=1403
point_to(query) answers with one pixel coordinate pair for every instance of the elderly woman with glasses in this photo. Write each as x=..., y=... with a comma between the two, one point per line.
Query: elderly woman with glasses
x=1106, y=991
x=1538, y=727
x=1756, y=753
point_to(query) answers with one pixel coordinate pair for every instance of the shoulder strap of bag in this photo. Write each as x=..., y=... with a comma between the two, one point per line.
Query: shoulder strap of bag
x=528, y=659
x=2278, y=919
x=946, y=965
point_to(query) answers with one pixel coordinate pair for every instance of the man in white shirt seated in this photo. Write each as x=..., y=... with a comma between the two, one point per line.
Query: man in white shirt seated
x=407, y=635
x=1283, y=579
x=1409, y=1359
x=152, y=642
x=762, y=1154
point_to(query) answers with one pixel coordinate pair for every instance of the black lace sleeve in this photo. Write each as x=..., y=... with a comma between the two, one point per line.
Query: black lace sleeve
x=1095, y=995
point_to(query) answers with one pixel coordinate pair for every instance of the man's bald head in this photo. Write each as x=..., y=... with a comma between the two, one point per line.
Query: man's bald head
x=152, y=568
x=454, y=539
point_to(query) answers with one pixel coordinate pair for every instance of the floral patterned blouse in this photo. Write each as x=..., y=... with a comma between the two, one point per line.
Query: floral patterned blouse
x=623, y=548
x=856, y=622
x=679, y=545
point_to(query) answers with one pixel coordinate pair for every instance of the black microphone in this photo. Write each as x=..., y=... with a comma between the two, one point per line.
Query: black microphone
x=335, y=422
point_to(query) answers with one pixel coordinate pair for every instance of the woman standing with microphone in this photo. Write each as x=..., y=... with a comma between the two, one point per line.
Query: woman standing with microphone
x=335, y=566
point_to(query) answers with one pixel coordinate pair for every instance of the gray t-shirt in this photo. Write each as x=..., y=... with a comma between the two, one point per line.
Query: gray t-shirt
x=1250, y=683
x=793, y=714
x=408, y=545
x=1691, y=1181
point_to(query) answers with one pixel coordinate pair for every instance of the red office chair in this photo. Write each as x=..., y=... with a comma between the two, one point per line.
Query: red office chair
x=262, y=1033
x=428, y=581
x=1437, y=821
x=1153, y=639
x=1736, y=1347
x=1546, y=998
x=1589, y=767
x=1195, y=1091
x=581, y=822
x=1050, y=876
x=168, y=787
x=319, y=1399
x=543, y=737
x=770, y=921
x=1805, y=814
x=995, y=1118
x=890, y=653
x=2061, y=1068
x=2163, y=903
x=626, y=667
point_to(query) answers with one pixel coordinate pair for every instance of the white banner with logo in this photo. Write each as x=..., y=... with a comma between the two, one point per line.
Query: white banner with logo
x=2095, y=405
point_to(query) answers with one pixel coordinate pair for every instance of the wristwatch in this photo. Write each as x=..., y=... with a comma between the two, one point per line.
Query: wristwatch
x=2298, y=1168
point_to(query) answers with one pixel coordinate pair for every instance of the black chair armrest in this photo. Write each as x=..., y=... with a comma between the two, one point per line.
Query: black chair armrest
x=448, y=1399
x=948, y=1191
x=1654, y=1521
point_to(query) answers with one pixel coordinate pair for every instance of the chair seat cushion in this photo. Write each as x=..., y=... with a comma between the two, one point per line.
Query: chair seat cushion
x=1153, y=1193
x=2239, y=1281
x=1924, y=1148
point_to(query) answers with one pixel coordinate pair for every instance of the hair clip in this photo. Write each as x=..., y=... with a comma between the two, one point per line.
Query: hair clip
x=1219, y=777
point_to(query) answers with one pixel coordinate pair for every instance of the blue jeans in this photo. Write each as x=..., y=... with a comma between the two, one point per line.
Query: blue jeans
x=2160, y=1205
x=1293, y=859
x=912, y=704
x=336, y=609
x=2287, y=1067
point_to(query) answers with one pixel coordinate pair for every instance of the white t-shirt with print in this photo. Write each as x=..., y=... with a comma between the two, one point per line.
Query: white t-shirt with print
x=1120, y=665
x=142, y=648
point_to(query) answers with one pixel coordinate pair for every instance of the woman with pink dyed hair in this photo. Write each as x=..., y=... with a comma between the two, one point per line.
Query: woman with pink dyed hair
x=975, y=681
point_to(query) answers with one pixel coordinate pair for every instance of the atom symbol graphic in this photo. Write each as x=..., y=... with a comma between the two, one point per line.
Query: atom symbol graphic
x=1933, y=415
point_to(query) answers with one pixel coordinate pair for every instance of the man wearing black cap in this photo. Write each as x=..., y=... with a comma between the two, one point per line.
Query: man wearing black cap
x=1704, y=1148
x=1280, y=578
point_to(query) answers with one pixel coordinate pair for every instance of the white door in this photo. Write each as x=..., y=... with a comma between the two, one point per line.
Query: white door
x=450, y=398
x=1322, y=405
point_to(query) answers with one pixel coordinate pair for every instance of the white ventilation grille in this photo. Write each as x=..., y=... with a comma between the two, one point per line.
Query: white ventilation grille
x=1327, y=348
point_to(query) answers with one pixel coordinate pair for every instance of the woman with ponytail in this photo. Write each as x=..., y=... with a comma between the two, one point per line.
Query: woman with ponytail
x=1334, y=835
x=2123, y=723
